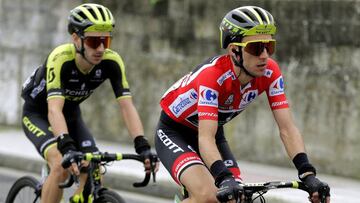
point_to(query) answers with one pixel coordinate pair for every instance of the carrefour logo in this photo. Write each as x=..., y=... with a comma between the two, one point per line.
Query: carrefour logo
x=247, y=98
x=277, y=87
x=208, y=96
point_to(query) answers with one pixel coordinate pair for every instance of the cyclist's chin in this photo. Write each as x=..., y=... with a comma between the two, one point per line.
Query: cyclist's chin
x=96, y=60
x=258, y=73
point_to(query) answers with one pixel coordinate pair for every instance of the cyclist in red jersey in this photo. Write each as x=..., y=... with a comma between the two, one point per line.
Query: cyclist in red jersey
x=190, y=139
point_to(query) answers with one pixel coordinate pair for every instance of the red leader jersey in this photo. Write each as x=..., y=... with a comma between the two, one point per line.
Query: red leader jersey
x=212, y=92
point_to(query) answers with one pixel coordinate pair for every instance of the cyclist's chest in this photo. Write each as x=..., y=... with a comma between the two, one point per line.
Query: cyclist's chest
x=237, y=98
x=77, y=84
x=234, y=100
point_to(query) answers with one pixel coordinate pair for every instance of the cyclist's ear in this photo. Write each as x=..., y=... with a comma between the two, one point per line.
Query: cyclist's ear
x=76, y=40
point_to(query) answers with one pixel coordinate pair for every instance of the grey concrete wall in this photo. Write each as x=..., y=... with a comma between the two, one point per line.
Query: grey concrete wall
x=318, y=50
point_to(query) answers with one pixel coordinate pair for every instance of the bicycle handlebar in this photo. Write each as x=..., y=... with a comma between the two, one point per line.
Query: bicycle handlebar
x=261, y=188
x=106, y=157
x=265, y=186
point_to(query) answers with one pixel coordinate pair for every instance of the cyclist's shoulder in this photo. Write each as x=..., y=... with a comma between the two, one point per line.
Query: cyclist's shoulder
x=62, y=53
x=112, y=55
x=272, y=64
x=215, y=66
x=272, y=70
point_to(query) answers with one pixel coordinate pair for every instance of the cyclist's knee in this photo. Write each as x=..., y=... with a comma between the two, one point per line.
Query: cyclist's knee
x=59, y=171
x=54, y=161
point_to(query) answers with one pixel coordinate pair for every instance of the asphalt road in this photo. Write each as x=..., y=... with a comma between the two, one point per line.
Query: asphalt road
x=9, y=176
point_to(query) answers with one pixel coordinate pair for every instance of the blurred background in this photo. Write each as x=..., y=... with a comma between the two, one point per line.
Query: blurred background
x=318, y=49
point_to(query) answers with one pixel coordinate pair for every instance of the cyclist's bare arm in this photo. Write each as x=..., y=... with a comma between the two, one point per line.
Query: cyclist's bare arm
x=130, y=116
x=56, y=116
x=292, y=139
x=58, y=123
x=289, y=133
x=133, y=123
x=207, y=144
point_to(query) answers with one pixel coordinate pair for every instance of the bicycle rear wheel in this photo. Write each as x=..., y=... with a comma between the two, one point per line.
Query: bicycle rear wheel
x=24, y=190
x=108, y=196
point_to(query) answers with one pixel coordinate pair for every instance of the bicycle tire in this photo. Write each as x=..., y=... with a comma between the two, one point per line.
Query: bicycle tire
x=109, y=196
x=24, y=190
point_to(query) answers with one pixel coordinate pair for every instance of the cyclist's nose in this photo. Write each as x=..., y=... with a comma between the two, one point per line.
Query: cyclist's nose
x=264, y=53
x=101, y=47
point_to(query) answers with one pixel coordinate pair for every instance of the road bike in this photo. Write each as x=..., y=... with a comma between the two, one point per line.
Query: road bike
x=27, y=189
x=254, y=192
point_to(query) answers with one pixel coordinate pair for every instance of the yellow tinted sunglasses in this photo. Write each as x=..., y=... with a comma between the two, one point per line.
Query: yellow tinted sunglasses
x=256, y=47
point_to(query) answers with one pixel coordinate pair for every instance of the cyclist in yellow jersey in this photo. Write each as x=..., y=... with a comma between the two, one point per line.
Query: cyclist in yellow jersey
x=51, y=114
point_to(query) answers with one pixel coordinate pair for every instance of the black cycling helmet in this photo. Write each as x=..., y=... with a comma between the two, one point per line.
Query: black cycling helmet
x=245, y=21
x=90, y=17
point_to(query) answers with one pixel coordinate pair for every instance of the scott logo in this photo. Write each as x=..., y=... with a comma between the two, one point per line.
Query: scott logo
x=168, y=142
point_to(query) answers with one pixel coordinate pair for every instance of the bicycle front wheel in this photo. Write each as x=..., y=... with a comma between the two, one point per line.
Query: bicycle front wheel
x=108, y=196
x=24, y=190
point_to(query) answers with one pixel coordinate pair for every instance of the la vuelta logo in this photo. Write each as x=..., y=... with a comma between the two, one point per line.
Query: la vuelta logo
x=277, y=87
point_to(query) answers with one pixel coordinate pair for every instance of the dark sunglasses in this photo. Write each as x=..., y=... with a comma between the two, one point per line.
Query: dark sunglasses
x=95, y=41
x=256, y=47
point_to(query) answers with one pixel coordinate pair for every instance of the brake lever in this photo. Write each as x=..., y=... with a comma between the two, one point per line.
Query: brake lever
x=324, y=192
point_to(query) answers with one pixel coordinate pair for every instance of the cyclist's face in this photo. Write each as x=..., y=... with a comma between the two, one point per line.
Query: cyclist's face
x=255, y=64
x=95, y=44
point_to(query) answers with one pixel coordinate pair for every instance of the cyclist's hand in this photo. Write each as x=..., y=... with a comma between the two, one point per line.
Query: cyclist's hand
x=71, y=160
x=229, y=190
x=142, y=147
x=151, y=161
x=317, y=190
x=65, y=144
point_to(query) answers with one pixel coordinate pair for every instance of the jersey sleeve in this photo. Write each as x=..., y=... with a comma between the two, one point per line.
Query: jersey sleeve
x=208, y=91
x=276, y=88
x=116, y=74
x=54, y=64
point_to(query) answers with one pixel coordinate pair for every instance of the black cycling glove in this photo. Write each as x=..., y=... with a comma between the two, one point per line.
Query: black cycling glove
x=142, y=147
x=307, y=174
x=315, y=185
x=71, y=157
x=65, y=144
x=229, y=189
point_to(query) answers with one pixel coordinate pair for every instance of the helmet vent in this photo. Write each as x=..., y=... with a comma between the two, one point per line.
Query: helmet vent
x=93, y=14
x=249, y=14
x=261, y=14
x=102, y=13
x=82, y=15
x=238, y=18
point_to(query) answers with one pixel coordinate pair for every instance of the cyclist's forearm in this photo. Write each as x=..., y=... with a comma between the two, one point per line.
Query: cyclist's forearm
x=207, y=144
x=56, y=117
x=57, y=123
x=131, y=117
x=293, y=142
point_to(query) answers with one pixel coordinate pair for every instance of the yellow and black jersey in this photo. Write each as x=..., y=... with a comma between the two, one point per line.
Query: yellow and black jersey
x=60, y=77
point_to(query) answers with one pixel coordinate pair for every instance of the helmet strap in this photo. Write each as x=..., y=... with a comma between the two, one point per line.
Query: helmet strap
x=239, y=63
x=81, y=51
